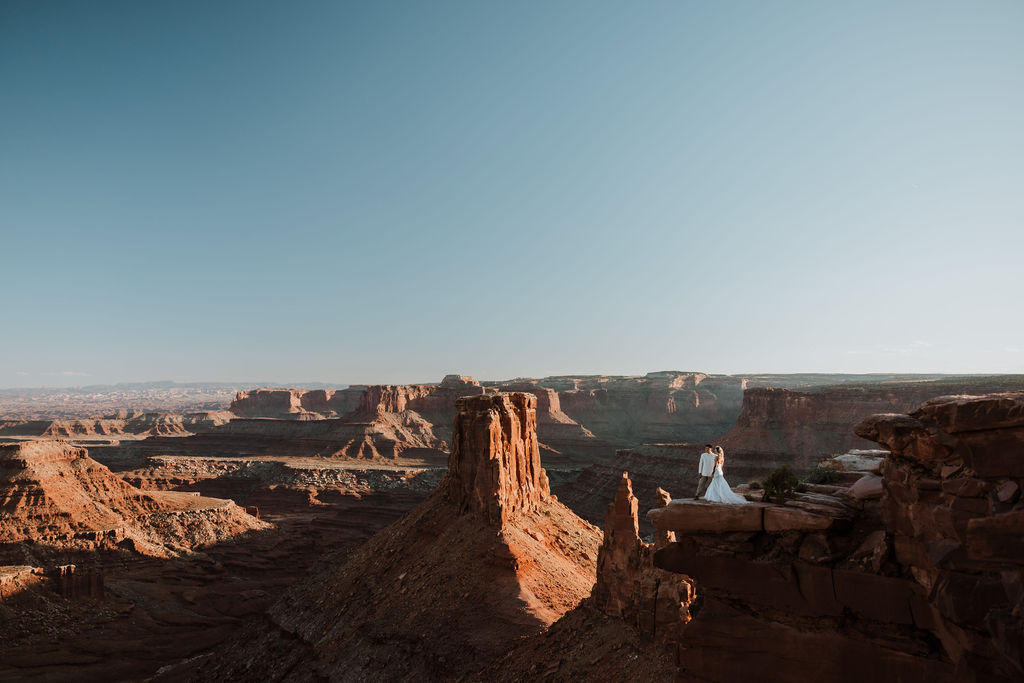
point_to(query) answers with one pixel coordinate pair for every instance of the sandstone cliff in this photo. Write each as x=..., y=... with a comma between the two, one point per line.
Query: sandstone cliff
x=295, y=403
x=778, y=426
x=410, y=421
x=487, y=558
x=911, y=576
x=55, y=496
x=580, y=420
x=656, y=408
x=952, y=505
x=565, y=439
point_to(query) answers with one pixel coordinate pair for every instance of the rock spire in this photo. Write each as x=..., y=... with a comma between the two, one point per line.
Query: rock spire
x=494, y=467
x=628, y=585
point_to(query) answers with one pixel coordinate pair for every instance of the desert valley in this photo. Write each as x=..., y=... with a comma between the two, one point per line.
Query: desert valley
x=531, y=529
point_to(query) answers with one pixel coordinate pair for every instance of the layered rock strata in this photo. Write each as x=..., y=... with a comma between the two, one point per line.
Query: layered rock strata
x=295, y=403
x=920, y=583
x=411, y=422
x=141, y=424
x=659, y=407
x=508, y=478
x=799, y=427
x=952, y=505
x=54, y=495
x=561, y=434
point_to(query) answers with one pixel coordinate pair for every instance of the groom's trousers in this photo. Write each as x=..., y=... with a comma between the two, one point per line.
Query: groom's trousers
x=702, y=486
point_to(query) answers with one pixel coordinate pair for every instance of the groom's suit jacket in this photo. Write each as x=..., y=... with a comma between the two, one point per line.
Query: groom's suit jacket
x=706, y=466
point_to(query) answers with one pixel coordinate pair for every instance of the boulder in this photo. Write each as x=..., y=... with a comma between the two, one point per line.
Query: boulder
x=1008, y=492
x=860, y=461
x=867, y=487
x=909, y=437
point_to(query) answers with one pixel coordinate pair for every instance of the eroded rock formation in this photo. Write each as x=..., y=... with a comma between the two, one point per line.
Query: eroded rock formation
x=951, y=503
x=559, y=433
x=488, y=558
x=411, y=421
x=54, y=495
x=295, y=403
x=799, y=427
x=660, y=407
x=629, y=586
x=494, y=468
x=918, y=580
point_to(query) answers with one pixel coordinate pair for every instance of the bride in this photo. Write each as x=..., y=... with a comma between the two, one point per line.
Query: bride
x=718, y=490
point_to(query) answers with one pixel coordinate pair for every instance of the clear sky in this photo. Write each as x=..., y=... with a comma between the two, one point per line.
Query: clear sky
x=391, y=191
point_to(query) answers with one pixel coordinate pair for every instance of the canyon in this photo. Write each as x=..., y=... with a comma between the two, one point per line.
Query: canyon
x=186, y=529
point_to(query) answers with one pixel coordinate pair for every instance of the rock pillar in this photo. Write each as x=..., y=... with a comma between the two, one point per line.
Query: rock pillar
x=628, y=586
x=494, y=467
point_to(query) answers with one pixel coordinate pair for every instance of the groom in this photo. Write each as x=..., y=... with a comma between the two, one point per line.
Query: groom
x=705, y=468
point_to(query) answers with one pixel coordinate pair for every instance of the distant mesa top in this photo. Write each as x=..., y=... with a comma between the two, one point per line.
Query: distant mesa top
x=459, y=380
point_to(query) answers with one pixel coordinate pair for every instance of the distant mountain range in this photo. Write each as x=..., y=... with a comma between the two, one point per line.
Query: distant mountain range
x=171, y=384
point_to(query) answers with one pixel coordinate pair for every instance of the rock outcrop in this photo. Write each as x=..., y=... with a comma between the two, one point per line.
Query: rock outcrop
x=410, y=421
x=560, y=434
x=52, y=491
x=799, y=427
x=911, y=576
x=15, y=579
x=383, y=436
x=651, y=466
x=489, y=557
x=55, y=496
x=388, y=398
x=508, y=479
x=629, y=587
x=952, y=504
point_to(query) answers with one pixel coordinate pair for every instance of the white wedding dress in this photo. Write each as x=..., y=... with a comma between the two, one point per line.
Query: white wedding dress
x=719, y=491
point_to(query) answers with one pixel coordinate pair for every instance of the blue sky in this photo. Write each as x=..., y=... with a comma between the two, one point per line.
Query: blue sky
x=386, y=192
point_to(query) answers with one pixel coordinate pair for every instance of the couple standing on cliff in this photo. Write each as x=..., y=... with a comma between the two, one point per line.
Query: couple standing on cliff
x=712, y=479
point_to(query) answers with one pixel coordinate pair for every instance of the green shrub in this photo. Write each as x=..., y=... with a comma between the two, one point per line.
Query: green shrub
x=754, y=484
x=801, y=487
x=822, y=475
x=780, y=484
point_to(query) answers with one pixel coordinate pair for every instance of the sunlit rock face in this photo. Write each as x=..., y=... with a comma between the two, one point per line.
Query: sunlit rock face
x=494, y=467
x=54, y=496
x=488, y=558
